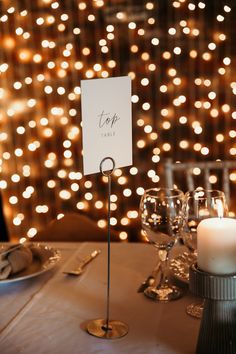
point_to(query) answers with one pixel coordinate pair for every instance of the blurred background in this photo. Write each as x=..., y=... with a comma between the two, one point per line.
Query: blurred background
x=181, y=57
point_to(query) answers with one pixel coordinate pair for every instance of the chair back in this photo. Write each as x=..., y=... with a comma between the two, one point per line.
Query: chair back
x=190, y=175
x=73, y=227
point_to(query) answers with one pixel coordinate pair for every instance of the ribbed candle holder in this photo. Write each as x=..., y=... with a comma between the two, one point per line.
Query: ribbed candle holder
x=217, y=334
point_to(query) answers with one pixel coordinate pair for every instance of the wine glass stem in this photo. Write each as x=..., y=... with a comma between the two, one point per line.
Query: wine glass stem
x=164, y=256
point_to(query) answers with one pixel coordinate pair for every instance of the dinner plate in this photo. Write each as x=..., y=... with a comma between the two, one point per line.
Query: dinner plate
x=180, y=264
x=46, y=259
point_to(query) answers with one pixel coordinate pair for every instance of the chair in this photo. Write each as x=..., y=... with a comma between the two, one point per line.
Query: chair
x=73, y=227
x=191, y=175
x=4, y=237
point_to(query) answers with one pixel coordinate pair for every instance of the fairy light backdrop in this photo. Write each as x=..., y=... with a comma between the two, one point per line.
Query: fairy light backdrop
x=181, y=58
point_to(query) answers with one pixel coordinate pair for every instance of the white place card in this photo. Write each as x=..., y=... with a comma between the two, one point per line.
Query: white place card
x=106, y=123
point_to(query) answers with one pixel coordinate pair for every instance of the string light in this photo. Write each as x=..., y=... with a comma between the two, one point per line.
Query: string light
x=40, y=95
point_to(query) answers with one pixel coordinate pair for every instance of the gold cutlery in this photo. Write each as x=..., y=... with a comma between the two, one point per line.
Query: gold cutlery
x=79, y=269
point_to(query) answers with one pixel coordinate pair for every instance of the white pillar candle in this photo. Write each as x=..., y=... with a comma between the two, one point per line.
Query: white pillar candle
x=216, y=245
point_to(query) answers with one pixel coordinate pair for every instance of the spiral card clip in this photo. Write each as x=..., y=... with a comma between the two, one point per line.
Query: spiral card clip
x=106, y=328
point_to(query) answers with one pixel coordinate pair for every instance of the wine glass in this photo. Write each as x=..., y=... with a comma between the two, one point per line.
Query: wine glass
x=161, y=218
x=198, y=205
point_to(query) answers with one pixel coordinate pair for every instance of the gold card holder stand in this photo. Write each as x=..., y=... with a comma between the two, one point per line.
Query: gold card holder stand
x=106, y=328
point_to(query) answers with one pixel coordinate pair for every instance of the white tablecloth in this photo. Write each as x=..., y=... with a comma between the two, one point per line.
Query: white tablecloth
x=48, y=313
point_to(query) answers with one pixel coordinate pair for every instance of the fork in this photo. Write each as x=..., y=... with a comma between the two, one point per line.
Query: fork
x=83, y=263
x=150, y=280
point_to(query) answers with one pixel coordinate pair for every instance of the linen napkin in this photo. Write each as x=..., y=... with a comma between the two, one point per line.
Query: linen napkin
x=43, y=253
x=15, y=261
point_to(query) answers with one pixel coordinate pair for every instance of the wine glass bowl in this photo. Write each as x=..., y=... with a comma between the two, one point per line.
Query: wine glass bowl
x=161, y=219
x=198, y=205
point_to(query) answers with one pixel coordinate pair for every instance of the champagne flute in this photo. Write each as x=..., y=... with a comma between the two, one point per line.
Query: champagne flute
x=161, y=218
x=198, y=205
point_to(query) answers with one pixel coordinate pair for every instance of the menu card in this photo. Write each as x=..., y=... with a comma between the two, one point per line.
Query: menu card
x=106, y=123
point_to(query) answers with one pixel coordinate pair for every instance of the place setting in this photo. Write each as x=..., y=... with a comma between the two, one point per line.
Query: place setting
x=185, y=229
x=117, y=177
x=19, y=262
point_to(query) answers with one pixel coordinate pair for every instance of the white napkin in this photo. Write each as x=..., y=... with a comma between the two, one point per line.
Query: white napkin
x=14, y=261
